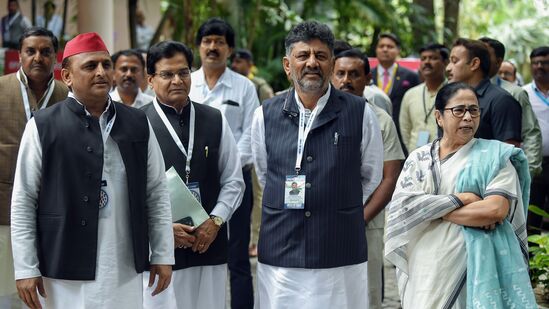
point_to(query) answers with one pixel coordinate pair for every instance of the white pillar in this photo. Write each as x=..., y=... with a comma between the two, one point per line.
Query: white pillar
x=97, y=16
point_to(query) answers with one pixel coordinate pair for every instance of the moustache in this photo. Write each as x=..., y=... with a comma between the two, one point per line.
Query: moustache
x=427, y=66
x=312, y=71
x=100, y=81
x=347, y=87
x=128, y=79
x=213, y=53
x=38, y=66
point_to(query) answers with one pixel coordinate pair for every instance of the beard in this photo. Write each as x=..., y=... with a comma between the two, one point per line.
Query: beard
x=307, y=85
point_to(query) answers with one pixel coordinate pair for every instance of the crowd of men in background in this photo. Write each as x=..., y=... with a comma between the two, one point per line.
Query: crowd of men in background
x=308, y=160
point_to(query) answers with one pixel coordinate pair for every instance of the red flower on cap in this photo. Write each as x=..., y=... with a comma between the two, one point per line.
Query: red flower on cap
x=84, y=43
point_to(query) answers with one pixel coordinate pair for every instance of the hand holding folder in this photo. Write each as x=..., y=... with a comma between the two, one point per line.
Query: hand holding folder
x=184, y=204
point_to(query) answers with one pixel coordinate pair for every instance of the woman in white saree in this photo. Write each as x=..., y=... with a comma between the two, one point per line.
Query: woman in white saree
x=456, y=227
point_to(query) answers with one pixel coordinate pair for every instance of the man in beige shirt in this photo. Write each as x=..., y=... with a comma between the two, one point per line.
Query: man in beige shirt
x=352, y=74
x=417, y=122
x=31, y=88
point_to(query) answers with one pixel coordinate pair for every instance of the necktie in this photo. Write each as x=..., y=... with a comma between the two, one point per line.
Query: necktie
x=385, y=80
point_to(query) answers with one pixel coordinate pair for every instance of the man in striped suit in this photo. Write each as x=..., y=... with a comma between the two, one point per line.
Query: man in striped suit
x=312, y=246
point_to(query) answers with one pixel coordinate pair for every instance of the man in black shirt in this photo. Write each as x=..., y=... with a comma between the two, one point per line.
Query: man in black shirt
x=501, y=114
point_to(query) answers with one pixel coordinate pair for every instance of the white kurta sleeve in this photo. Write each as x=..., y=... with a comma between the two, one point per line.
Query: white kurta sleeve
x=251, y=102
x=24, y=201
x=259, y=150
x=371, y=148
x=158, y=206
x=231, y=181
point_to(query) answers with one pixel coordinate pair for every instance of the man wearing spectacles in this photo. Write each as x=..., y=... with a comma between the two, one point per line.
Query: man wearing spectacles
x=235, y=96
x=195, y=140
x=538, y=92
x=129, y=73
x=501, y=114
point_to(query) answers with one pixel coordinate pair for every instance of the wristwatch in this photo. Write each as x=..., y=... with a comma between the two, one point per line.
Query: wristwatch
x=217, y=220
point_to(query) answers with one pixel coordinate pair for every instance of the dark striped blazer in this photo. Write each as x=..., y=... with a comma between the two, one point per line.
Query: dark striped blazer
x=330, y=231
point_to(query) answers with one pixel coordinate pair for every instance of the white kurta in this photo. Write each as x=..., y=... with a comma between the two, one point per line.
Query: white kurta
x=195, y=287
x=116, y=284
x=339, y=287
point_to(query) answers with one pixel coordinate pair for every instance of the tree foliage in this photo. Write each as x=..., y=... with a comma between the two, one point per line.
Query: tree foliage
x=261, y=25
x=519, y=25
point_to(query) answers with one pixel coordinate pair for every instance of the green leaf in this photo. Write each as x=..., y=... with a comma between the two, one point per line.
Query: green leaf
x=538, y=211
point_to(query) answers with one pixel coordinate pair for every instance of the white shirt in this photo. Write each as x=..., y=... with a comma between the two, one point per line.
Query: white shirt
x=235, y=96
x=378, y=98
x=144, y=36
x=55, y=24
x=230, y=178
x=541, y=109
x=371, y=147
x=26, y=190
x=141, y=99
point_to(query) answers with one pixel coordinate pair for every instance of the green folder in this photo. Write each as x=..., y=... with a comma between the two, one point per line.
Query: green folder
x=184, y=204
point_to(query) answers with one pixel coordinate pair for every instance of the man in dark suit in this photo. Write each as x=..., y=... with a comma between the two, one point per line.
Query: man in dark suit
x=390, y=77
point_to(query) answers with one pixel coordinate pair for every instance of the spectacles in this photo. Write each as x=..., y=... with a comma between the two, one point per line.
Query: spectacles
x=460, y=110
x=167, y=75
x=543, y=63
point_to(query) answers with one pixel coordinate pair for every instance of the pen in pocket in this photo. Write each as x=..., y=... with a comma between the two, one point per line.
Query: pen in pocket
x=206, y=151
x=336, y=138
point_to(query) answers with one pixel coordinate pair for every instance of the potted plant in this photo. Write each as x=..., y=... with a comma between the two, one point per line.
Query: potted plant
x=539, y=260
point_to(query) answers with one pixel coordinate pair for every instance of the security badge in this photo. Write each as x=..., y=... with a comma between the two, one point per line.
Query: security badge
x=195, y=190
x=422, y=138
x=294, y=192
x=103, y=196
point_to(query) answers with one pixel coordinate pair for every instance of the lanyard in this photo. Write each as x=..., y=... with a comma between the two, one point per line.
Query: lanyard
x=427, y=114
x=108, y=127
x=25, y=95
x=390, y=83
x=304, y=129
x=105, y=133
x=538, y=93
x=176, y=138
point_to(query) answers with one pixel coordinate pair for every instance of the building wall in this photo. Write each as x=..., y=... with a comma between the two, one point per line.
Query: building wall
x=119, y=25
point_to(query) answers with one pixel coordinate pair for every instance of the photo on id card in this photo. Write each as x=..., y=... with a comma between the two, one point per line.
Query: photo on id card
x=294, y=192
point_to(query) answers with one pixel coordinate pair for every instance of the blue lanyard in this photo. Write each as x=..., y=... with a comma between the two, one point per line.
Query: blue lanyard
x=538, y=93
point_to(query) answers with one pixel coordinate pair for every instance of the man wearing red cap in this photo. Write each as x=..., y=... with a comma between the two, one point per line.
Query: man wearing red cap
x=89, y=195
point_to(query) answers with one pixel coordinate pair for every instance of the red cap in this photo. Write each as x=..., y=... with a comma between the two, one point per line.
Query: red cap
x=84, y=43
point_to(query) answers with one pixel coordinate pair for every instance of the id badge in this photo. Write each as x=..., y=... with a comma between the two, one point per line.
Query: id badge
x=195, y=190
x=294, y=192
x=104, y=211
x=422, y=138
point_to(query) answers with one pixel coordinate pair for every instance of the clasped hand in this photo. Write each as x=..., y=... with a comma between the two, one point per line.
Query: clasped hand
x=198, y=239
